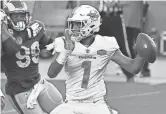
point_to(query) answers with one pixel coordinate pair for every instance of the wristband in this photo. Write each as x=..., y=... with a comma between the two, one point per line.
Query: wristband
x=62, y=57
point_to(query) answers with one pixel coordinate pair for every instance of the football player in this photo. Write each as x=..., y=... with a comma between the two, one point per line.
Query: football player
x=22, y=40
x=85, y=56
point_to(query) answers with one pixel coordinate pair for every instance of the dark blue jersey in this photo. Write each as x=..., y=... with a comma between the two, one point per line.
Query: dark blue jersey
x=21, y=58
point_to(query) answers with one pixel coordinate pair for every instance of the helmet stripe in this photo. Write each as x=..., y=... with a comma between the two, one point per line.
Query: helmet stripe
x=10, y=7
x=17, y=4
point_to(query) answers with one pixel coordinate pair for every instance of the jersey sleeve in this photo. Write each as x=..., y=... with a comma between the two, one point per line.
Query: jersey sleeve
x=41, y=27
x=44, y=38
x=112, y=44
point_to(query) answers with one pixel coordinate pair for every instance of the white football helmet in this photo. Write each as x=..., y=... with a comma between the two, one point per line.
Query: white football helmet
x=89, y=20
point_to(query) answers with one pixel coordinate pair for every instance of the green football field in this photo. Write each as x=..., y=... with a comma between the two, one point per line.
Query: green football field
x=127, y=98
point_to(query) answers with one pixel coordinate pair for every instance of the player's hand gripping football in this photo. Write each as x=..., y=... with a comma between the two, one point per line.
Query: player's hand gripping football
x=146, y=47
x=68, y=43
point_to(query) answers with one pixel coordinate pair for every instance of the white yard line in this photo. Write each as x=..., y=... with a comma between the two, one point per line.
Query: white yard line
x=112, y=98
x=136, y=95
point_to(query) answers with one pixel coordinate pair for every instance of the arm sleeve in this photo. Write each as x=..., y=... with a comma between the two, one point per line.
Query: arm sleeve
x=113, y=45
x=44, y=38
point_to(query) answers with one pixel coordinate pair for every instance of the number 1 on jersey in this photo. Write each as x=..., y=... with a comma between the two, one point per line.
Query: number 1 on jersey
x=87, y=67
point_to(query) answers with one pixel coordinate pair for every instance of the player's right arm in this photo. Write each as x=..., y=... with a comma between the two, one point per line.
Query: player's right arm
x=9, y=45
x=63, y=47
x=55, y=67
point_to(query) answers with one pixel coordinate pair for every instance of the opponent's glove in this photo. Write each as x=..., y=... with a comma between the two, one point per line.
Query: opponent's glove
x=33, y=30
x=65, y=48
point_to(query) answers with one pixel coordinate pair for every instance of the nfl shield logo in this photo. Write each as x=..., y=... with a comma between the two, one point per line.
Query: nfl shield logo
x=87, y=51
x=101, y=52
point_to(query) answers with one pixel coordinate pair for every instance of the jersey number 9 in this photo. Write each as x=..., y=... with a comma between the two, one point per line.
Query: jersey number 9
x=25, y=55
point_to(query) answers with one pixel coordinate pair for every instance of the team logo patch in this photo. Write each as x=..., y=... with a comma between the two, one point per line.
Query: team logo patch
x=101, y=52
x=93, y=15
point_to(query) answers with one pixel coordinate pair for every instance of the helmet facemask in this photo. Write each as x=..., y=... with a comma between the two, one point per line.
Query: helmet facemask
x=18, y=15
x=75, y=28
x=88, y=23
x=18, y=21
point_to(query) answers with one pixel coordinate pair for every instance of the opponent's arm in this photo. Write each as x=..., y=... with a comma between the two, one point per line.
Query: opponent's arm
x=44, y=38
x=61, y=57
x=131, y=65
x=9, y=44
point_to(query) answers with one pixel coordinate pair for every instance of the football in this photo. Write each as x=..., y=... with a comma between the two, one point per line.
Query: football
x=146, y=47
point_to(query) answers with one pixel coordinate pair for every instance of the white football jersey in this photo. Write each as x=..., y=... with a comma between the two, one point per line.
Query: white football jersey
x=85, y=67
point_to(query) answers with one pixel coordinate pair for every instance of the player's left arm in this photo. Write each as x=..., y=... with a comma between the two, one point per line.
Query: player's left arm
x=131, y=65
x=44, y=38
x=146, y=49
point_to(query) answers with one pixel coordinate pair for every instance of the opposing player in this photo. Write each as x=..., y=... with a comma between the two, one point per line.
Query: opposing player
x=22, y=40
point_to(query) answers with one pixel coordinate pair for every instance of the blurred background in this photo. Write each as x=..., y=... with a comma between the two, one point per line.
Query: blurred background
x=137, y=16
x=54, y=14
